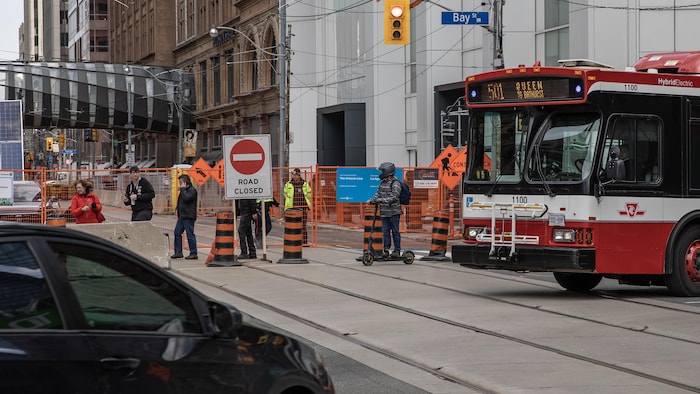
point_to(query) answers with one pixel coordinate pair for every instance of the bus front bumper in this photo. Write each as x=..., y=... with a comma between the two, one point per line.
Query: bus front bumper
x=526, y=258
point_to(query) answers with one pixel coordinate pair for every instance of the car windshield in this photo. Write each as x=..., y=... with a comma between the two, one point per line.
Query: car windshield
x=26, y=192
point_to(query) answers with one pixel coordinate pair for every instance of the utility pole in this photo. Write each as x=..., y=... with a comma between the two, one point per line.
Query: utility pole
x=282, y=66
x=129, y=125
x=498, y=62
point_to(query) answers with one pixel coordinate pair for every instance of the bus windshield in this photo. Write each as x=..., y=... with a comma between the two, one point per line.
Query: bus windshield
x=498, y=142
x=566, y=149
x=563, y=148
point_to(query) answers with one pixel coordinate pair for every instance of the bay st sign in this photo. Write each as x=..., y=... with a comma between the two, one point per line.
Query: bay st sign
x=248, y=166
x=465, y=18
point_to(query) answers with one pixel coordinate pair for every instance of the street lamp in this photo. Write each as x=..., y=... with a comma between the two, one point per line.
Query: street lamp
x=282, y=72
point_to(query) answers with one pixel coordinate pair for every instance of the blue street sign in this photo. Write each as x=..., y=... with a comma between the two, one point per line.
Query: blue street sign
x=465, y=18
x=358, y=184
x=69, y=151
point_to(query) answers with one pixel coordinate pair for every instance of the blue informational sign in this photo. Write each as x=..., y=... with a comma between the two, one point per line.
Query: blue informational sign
x=358, y=184
x=465, y=18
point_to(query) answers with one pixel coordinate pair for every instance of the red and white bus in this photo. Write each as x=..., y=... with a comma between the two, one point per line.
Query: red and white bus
x=586, y=172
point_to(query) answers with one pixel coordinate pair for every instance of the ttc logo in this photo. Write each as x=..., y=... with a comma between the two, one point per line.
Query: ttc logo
x=632, y=210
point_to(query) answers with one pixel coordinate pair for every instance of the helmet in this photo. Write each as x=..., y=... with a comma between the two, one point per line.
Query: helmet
x=387, y=169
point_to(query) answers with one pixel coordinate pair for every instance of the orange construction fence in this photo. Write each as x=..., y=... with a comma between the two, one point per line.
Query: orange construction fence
x=56, y=188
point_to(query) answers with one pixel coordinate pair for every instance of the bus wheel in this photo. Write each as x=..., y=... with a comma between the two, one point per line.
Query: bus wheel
x=577, y=282
x=684, y=281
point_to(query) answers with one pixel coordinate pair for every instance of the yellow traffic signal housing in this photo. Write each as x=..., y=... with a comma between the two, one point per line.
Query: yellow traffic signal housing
x=61, y=140
x=49, y=144
x=95, y=135
x=397, y=22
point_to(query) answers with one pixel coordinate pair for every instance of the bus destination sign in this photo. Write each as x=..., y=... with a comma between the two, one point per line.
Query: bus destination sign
x=525, y=89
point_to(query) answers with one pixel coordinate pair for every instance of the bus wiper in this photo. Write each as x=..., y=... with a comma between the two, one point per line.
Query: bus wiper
x=500, y=174
x=538, y=164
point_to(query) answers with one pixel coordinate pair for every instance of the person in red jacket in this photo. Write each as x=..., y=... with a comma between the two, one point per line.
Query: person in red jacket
x=85, y=205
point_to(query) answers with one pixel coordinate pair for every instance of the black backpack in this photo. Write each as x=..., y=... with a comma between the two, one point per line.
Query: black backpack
x=405, y=196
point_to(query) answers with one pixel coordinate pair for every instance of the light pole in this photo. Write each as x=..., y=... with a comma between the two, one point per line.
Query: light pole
x=282, y=73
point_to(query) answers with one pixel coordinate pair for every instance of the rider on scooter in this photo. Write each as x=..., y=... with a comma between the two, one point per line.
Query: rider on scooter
x=387, y=196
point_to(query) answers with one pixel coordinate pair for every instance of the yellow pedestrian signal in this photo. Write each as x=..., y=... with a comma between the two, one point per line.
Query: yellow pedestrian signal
x=397, y=20
x=49, y=144
x=95, y=135
x=62, y=140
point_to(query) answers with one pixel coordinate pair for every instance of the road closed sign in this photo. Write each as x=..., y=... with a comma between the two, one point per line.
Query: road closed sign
x=247, y=166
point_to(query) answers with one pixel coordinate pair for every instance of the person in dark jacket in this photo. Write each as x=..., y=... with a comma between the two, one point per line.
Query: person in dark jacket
x=387, y=196
x=139, y=194
x=186, y=211
x=266, y=204
x=249, y=212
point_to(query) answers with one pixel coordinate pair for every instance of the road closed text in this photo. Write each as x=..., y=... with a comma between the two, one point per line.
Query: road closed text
x=246, y=186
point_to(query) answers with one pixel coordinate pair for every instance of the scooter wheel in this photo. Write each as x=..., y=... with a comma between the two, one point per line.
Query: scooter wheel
x=367, y=258
x=408, y=257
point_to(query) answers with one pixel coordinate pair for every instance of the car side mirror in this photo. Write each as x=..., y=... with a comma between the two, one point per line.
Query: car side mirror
x=226, y=320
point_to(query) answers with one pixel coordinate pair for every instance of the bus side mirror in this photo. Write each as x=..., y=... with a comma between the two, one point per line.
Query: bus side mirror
x=615, y=169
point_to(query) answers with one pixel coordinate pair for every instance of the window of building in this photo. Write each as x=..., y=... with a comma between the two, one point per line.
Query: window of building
x=99, y=10
x=203, y=84
x=99, y=41
x=216, y=66
x=216, y=139
x=271, y=58
x=229, y=75
x=556, y=36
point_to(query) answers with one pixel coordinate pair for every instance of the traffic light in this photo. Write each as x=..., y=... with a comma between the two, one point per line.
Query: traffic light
x=95, y=135
x=62, y=140
x=397, y=21
x=49, y=144
x=87, y=135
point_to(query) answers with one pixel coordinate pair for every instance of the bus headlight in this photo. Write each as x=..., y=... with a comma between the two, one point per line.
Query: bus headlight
x=564, y=235
x=472, y=232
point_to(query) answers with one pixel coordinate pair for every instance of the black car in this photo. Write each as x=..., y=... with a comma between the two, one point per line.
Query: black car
x=79, y=314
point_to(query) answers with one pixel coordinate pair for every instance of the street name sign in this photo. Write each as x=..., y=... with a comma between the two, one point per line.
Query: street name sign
x=465, y=18
x=247, y=166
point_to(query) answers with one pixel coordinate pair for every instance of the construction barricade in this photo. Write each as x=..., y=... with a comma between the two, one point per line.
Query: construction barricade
x=223, y=250
x=438, y=242
x=291, y=253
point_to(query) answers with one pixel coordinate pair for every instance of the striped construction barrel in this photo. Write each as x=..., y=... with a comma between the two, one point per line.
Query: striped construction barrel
x=224, y=247
x=291, y=252
x=438, y=242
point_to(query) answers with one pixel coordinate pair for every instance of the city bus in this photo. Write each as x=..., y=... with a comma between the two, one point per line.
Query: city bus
x=586, y=172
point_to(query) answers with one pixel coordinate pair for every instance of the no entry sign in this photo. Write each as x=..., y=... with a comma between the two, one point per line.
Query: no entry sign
x=247, y=166
x=247, y=157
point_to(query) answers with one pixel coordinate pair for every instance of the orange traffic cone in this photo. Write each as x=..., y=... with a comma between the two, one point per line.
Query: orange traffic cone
x=223, y=249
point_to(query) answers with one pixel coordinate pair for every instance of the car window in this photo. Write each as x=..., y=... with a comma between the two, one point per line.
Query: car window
x=25, y=298
x=117, y=294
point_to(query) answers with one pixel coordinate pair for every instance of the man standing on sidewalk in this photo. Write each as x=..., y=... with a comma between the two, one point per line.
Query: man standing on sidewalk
x=249, y=210
x=186, y=211
x=139, y=194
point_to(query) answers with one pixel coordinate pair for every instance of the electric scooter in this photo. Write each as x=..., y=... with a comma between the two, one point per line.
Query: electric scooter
x=370, y=255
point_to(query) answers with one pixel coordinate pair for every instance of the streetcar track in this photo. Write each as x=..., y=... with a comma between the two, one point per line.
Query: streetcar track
x=345, y=336
x=492, y=333
x=446, y=321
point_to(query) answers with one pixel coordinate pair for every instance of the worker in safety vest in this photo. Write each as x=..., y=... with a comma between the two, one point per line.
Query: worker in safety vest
x=297, y=194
